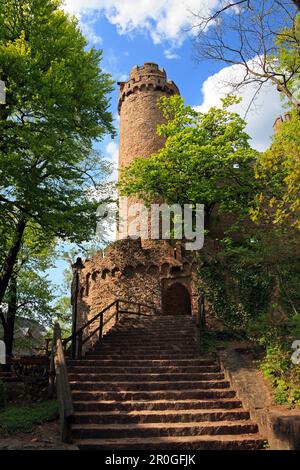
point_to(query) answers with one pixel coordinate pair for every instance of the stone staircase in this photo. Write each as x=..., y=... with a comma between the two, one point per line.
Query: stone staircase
x=145, y=387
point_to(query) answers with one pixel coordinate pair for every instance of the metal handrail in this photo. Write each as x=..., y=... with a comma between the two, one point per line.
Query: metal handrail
x=77, y=337
x=58, y=369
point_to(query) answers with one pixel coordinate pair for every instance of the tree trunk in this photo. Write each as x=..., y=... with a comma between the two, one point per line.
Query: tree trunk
x=9, y=328
x=297, y=4
x=11, y=258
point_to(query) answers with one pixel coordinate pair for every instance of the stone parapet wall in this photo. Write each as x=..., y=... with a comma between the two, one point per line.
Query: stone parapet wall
x=131, y=272
x=148, y=77
x=278, y=424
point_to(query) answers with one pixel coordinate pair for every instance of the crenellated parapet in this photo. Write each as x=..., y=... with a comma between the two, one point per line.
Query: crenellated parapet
x=147, y=77
x=280, y=120
x=126, y=270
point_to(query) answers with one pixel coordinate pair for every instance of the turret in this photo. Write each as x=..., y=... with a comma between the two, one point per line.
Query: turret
x=140, y=115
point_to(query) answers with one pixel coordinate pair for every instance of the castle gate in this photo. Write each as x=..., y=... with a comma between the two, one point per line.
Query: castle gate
x=176, y=300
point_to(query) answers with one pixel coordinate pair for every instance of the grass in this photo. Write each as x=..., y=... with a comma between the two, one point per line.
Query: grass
x=24, y=418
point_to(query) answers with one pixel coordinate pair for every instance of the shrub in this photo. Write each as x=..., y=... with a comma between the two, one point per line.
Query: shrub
x=24, y=418
x=283, y=374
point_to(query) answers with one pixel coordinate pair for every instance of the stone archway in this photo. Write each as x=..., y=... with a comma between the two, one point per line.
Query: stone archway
x=176, y=300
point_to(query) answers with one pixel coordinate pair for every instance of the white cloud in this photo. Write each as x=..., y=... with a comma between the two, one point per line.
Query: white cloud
x=163, y=20
x=111, y=62
x=261, y=117
x=87, y=23
x=88, y=31
x=123, y=77
x=169, y=54
x=112, y=152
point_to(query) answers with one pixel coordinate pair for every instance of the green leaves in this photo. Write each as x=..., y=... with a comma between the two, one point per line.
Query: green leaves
x=278, y=170
x=287, y=58
x=206, y=159
x=56, y=105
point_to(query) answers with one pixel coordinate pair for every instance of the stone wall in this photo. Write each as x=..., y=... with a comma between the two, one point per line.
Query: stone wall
x=278, y=424
x=129, y=271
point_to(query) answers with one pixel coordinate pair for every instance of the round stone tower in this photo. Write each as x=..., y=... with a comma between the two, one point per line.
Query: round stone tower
x=153, y=272
x=140, y=115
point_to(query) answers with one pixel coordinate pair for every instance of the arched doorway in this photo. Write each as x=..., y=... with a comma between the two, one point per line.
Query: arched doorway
x=176, y=300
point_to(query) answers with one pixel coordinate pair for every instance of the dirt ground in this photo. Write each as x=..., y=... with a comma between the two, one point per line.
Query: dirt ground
x=44, y=437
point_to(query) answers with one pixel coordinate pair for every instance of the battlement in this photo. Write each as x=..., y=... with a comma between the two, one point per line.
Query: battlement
x=147, y=77
x=280, y=120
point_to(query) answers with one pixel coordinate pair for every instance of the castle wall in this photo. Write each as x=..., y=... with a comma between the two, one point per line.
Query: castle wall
x=131, y=272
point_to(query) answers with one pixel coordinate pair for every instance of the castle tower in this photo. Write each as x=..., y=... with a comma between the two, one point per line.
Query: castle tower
x=140, y=115
x=154, y=272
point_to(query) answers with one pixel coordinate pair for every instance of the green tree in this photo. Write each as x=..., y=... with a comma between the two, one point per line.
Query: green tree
x=30, y=294
x=278, y=170
x=206, y=159
x=259, y=37
x=56, y=106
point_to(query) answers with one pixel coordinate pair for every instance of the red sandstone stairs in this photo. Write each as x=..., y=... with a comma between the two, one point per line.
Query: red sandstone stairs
x=144, y=387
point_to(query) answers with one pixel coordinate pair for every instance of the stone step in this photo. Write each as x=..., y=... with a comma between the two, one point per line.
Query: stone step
x=169, y=352
x=149, y=339
x=147, y=344
x=166, y=416
x=195, y=394
x=134, y=352
x=166, y=333
x=163, y=377
x=149, y=323
x=154, y=327
x=114, y=431
x=161, y=328
x=132, y=357
x=145, y=386
x=184, y=443
x=6, y=376
x=151, y=386
x=119, y=362
x=146, y=347
x=158, y=405
x=156, y=319
x=149, y=326
x=81, y=369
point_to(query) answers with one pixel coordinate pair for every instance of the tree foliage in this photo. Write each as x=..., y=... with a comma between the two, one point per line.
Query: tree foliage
x=260, y=37
x=206, y=159
x=56, y=106
x=278, y=170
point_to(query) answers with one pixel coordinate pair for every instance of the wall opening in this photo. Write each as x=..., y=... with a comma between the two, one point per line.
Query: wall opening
x=176, y=300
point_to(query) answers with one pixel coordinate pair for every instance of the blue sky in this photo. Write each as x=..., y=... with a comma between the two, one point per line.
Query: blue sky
x=132, y=32
x=122, y=52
